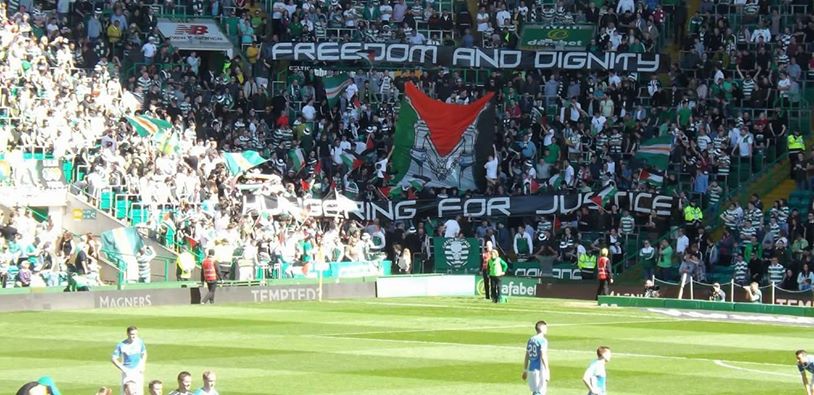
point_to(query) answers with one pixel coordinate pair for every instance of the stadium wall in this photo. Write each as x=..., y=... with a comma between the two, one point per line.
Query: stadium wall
x=433, y=285
x=25, y=299
x=659, y=303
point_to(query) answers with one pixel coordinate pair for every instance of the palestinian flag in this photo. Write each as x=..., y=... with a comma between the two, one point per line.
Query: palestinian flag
x=297, y=159
x=146, y=126
x=121, y=245
x=656, y=152
x=604, y=196
x=446, y=143
x=166, y=141
x=334, y=86
x=351, y=161
x=652, y=178
x=238, y=162
x=534, y=186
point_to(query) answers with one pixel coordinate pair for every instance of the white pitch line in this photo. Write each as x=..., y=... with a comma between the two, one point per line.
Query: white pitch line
x=728, y=366
x=487, y=308
x=463, y=328
x=516, y=348
x=476, y=329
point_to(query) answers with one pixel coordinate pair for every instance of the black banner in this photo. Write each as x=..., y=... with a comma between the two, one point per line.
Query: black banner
x=506, y=206
x=439, y=56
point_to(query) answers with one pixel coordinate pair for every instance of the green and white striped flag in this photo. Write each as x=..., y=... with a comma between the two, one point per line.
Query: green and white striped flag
x=656, y=152
x=334, y=86
x=146, y=126
x=121, y=245
x=238, y=162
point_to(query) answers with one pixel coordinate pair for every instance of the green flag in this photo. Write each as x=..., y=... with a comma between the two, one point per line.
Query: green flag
x=334, y=86
x=146, y=126
x=656, y=152
x=238, y=162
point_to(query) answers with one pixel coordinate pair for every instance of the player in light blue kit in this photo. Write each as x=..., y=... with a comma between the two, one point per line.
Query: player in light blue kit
x=805, y=363
x=595, y=377
x=535, y=365
x=130, y=357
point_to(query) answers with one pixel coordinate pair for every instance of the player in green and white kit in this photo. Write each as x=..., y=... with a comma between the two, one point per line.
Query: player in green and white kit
x=535, y=365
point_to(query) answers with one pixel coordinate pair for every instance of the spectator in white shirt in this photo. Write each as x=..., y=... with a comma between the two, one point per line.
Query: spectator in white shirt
x=568, y=173
x=784, y=84
x=452, y=228
x=482, y=20
x=573, y=111
x=503, y=17
x=614, y=79
x=745, y=141
x=416, y=38
x=682, y=242
x=761, y=32
x=148, y=50
x=351, y=90
x=625, y=6
x=598, y=123
x=309, y=112
x=491, y=168
x=386, y=10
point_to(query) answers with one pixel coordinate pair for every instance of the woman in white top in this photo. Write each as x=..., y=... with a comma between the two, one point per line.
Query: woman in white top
x=804, y=275
x=491, y=168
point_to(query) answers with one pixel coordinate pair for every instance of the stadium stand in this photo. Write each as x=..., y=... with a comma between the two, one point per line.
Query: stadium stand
x=727, y=108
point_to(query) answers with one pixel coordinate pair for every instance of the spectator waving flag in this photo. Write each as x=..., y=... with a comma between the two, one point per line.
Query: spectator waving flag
x=166, y=141
x=334, y=86
x=238, y=162
x=448, y=144
x=121, y=245
x=146, y=126
x=297, y=159
x=350, y=160
x=651, y=177
x=656, y=152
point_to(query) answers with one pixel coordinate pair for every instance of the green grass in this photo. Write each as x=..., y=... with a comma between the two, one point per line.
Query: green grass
x=402, y=346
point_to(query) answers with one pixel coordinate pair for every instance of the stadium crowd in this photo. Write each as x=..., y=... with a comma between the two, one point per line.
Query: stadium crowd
x=71, y=78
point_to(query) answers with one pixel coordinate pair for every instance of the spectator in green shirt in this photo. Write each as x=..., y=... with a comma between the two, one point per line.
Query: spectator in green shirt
x=665, y=264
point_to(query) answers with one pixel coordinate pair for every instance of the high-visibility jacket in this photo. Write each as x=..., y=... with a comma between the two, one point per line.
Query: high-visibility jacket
x=603, y=269
x=186, y=263
x=497, y=267
x=585, y=261
x=693, y=214
x=209, y=272
x=796, y=143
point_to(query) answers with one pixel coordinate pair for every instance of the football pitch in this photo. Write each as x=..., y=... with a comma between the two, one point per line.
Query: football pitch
x=402, y=346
